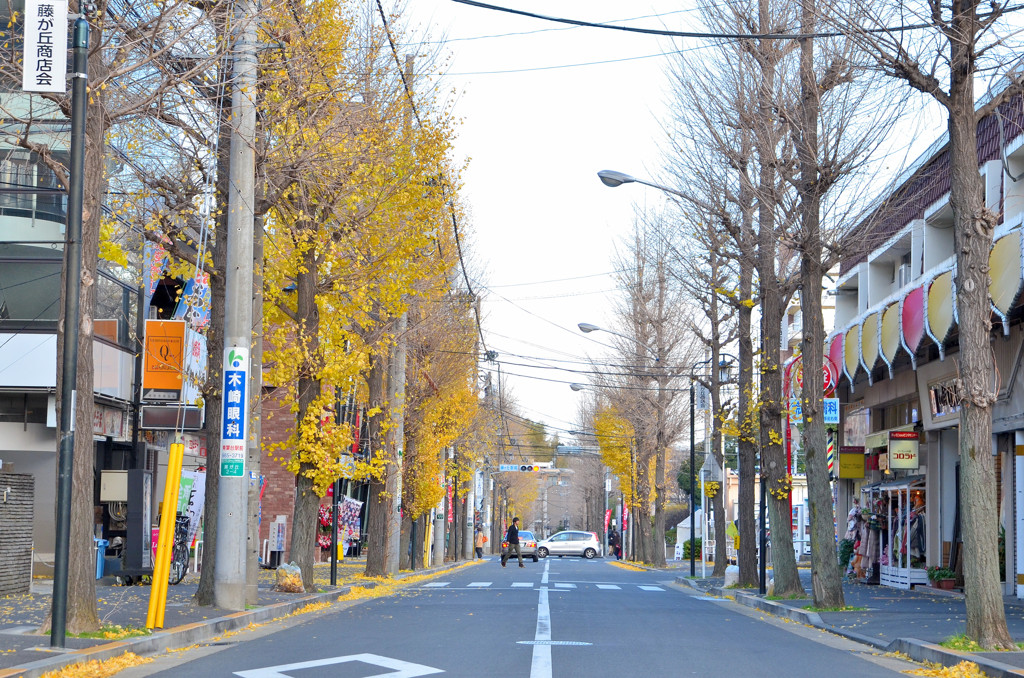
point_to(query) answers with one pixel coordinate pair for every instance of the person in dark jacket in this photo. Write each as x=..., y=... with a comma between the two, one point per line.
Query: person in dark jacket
x=614, y=542
x=512, y=537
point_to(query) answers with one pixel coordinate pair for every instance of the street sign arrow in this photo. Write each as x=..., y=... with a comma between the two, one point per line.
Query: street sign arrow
x=401, y=669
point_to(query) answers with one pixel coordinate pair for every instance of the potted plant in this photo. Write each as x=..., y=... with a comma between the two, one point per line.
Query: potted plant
x=941, y=577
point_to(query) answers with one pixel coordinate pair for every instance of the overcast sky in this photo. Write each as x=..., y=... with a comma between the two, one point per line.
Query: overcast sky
x=544, y=106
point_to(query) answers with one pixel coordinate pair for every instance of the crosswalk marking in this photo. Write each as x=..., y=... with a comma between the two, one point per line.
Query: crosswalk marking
x=522, y=584
x=479, y=584
x=651, y=588
x=608, y=587
x=565, y=586
x=435, y=584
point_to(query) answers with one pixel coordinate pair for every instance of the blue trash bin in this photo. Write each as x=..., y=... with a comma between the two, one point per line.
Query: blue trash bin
x=101, y=550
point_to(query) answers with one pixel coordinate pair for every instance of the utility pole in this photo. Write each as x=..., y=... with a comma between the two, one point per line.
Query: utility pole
x=252, y=568
x=396, y=387
x=229, y=581
x=69, y=366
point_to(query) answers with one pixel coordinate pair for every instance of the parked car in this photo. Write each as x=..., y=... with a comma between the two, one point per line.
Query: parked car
x=570, y=543
x=527, y=545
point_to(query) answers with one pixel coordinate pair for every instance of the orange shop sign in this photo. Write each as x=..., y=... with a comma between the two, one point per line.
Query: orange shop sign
x=163, y=360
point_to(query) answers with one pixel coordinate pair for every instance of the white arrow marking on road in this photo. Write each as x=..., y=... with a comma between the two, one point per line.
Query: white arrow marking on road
x=401, y=669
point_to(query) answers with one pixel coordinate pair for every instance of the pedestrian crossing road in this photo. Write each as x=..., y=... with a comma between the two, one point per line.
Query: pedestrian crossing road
x=532, y=585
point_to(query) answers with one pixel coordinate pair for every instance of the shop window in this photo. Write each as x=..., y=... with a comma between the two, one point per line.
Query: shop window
x=943, y=398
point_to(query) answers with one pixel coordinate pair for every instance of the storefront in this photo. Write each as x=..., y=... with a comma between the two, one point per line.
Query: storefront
x=894, y=532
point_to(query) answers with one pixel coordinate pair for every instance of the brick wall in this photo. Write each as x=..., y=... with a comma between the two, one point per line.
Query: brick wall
x=279, y=496
x=16, y=513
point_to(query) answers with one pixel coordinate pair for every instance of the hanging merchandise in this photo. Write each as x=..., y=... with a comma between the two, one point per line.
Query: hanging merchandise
x=898, y=517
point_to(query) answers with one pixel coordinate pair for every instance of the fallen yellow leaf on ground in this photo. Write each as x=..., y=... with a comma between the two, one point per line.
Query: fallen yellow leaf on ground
x=964, y=669
x=99, y=669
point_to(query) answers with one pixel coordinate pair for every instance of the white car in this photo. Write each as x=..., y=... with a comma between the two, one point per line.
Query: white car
x=570, y=543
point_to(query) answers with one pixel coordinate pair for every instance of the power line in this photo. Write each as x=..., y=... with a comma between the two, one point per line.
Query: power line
x=707, y=35
x=444, y=184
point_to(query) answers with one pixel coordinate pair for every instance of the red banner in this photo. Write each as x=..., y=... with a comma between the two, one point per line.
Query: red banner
x=607, y=518
x=451, y=516
x=625, y=518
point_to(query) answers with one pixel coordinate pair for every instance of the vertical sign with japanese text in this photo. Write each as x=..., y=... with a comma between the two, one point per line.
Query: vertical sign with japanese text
x=234, y=426
x=45, y=56
x=831, y=411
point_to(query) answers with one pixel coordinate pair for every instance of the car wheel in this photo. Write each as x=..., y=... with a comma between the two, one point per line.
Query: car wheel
x=589, y=554
x=535, y=559
x=542, y=552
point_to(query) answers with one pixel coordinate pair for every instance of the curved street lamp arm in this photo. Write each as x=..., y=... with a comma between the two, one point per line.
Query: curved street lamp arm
x=586, y=328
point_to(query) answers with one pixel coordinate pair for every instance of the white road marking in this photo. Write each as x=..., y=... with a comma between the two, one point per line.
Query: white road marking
x=651, y=588
x=541, y=666
x=565, y=586
x=479, y=584
x=400, y=669
x=609, y=587
x=544, y=577
x=522, y=584
x=436, y=584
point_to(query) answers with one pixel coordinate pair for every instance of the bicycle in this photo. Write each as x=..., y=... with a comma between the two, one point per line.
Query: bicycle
x=180, y=553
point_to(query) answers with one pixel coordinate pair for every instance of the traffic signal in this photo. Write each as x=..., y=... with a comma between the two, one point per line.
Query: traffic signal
x=529, y=467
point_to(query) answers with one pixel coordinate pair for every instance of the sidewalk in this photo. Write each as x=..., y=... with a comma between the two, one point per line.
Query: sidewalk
x=24, y=652
x=912, y=622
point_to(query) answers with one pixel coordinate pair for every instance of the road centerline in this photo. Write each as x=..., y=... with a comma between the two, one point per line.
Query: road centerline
x=541, y=665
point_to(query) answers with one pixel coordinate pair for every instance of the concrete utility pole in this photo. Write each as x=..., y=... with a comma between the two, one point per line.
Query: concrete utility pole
x=253, y=456
x=229, y=579
x=396, y=387
x=467, y=535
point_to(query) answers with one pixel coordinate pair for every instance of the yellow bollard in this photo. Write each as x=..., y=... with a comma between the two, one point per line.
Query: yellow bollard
x=165, y=542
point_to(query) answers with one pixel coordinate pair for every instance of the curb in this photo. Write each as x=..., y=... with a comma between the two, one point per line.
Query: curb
x=186, y=634
x=918, y=650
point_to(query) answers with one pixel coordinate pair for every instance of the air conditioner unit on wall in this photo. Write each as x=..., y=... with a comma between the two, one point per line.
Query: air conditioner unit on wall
x=903, y=275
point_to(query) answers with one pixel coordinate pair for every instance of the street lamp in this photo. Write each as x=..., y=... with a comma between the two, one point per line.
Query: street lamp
x=587, y=328
x=612, y=179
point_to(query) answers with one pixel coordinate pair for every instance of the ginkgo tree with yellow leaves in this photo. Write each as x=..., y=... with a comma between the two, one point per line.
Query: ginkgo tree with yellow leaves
x=352, y=226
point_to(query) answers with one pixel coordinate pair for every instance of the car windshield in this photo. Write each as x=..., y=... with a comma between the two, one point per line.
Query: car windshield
x=525, y=534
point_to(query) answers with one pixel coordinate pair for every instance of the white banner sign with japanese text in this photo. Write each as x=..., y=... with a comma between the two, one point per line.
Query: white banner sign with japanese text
x=45, y=56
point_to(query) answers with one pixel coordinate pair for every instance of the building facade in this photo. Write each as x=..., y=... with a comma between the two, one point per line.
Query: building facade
x=894, y=345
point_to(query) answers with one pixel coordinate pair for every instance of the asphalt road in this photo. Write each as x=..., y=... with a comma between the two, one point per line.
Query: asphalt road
x=562, y=617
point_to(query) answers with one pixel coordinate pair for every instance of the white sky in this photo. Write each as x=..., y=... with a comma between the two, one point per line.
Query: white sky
x=544, y=106
x=536, y=130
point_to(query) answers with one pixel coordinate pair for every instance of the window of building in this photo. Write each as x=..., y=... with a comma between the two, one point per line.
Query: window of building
x=29, y=290
x=29, y=408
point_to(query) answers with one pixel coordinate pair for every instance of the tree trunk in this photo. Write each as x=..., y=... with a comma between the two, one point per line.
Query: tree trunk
x=775, y=476
x=746, y=445
x=973, y=225
x=381, y=490
x=657, y=555
x=305, y=517
x=826, y=578
x=82, y=615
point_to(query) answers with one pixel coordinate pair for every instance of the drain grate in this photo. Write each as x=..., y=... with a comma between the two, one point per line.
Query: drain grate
x=553, y=642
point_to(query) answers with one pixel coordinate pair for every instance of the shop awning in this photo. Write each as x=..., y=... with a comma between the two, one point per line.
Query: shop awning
x=929, y=308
